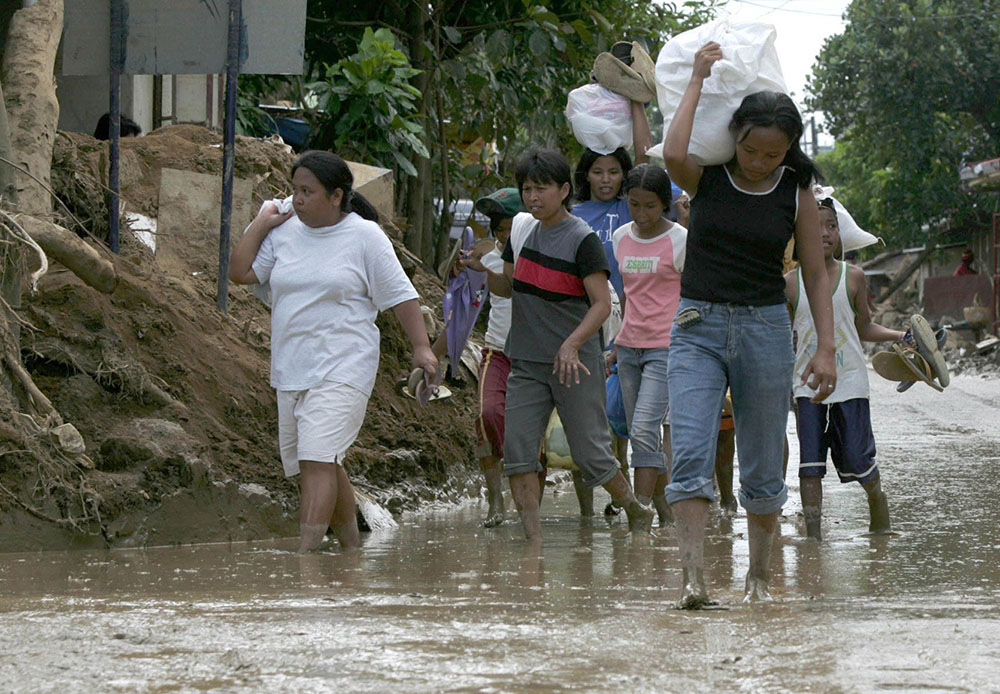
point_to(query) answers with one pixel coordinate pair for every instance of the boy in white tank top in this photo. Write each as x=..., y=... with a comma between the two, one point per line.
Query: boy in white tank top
x=841, y=424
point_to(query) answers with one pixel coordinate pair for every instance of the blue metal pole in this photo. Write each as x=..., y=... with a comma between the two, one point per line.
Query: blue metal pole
x=115, y=108
x=228, y=152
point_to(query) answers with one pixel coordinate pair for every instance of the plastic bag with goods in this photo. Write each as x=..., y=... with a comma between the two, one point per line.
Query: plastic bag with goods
x=601, y=120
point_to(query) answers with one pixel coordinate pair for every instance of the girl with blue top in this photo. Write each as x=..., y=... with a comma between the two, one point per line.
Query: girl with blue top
x=732, y=328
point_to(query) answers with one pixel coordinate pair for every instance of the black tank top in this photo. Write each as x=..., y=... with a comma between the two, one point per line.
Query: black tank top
x=736, y=240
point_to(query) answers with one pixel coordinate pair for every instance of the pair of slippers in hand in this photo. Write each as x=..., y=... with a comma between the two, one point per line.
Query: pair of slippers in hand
x=419, y=386
x=917, y=357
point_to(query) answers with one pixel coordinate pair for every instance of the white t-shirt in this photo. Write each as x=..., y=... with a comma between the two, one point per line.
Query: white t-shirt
x=499, y=320
x=327, y=286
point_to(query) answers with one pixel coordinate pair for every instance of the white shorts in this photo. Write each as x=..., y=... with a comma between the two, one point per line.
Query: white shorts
x=318, y=424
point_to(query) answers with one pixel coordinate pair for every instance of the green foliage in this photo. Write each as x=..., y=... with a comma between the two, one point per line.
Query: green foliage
x=251, y=120
x=507, y=81
x=491, y=71
x=370, y=106
x=910, y=92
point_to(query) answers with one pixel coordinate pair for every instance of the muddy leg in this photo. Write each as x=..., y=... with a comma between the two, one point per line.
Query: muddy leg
x=584, y=494
x=645, y=484
x=345, y=513
x=725, y=451
x=490, y=466
x=640, y=517
x=663, y=512
x=811, y=489
x=760, y=529
x=689, y=518
x=619, y=447
x=784, y=459
x=525, y=490
x=317, y=498
x=878, y=508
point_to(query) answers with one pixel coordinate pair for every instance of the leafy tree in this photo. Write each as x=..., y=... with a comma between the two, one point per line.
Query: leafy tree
x=368, y=105
x=492, y=71
x=910, y=92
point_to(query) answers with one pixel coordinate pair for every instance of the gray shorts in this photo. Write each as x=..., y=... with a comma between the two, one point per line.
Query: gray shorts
x=532, y=391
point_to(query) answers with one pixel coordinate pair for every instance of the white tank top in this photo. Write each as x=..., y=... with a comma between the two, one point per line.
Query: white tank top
x=852, y=365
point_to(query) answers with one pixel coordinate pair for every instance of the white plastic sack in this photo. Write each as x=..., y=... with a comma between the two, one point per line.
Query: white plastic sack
x=613, y=323
x=557, y=453
x=852, y=237
x=749, y=64
x=601, y=120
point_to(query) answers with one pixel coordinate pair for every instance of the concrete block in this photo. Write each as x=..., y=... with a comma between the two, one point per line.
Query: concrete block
x=376, y=185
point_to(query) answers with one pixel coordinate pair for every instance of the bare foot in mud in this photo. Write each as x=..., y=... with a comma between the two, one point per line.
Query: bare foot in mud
x=494, y=517
x=311, y=537
x=756, y=590
x=812, y=518
x=640, y=518
x=728, y=506
x=878, y=508
x=693, y=594
x=664, y=515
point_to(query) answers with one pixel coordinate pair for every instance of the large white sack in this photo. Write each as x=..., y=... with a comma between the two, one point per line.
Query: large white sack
x=852, y=237
x=601, y=120
x=749, y=64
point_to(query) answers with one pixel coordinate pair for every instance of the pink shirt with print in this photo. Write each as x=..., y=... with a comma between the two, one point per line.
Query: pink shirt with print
x=651, y=273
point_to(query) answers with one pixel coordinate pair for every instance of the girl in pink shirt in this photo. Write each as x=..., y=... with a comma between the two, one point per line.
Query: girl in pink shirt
x=650, y=255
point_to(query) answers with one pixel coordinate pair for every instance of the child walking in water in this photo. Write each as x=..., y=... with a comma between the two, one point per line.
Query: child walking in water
x=556, y=272
x=650, y=255
x=500, y=206
x=732, y=327
x=600, y=202
x=841, y=424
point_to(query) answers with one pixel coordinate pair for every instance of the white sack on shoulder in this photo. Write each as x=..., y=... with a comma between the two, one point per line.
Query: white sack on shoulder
x=749, y=64
x=262, y=290
x=601, y=120
x=852, y=237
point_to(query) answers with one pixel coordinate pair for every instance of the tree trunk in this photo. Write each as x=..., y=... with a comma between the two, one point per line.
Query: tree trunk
x=444, y=225
x=10, y=261
x=416, y=186
x=28, y=76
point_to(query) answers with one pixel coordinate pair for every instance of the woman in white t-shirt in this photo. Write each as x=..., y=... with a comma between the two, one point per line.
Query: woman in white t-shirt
x=330, y=269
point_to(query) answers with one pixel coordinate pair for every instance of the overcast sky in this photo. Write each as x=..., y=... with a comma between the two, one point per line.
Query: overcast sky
x=802, y=25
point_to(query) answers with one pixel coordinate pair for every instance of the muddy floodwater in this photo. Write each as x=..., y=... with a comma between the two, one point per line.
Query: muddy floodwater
x=442, y=605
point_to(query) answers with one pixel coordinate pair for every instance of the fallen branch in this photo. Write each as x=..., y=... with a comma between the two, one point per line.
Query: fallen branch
x=38, y=399
x=63, y=245
x=25, y=238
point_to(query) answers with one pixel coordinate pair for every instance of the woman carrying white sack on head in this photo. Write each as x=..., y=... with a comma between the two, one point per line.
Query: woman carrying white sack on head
x=331, y=269
x=732, y=327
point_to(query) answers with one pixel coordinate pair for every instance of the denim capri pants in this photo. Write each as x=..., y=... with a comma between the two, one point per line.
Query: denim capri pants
x=749, y=350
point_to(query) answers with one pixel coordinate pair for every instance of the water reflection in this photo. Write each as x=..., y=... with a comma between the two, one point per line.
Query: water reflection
x=442, y=604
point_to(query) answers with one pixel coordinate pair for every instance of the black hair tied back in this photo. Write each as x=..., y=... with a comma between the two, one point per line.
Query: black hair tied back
x=334, y=173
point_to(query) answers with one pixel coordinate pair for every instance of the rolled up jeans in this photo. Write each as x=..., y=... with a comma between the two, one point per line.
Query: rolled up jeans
x=642, y=373
x=748, y=349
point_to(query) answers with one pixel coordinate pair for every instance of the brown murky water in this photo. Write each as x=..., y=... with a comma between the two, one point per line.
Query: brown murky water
x=442, y=605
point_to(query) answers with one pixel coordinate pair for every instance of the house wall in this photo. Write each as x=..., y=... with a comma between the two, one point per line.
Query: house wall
x=83, y=99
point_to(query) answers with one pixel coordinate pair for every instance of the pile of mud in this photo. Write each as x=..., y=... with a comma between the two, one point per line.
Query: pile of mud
x=171, y=396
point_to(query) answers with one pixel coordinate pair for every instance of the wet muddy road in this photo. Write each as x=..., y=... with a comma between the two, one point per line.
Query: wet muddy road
x=442, y=605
